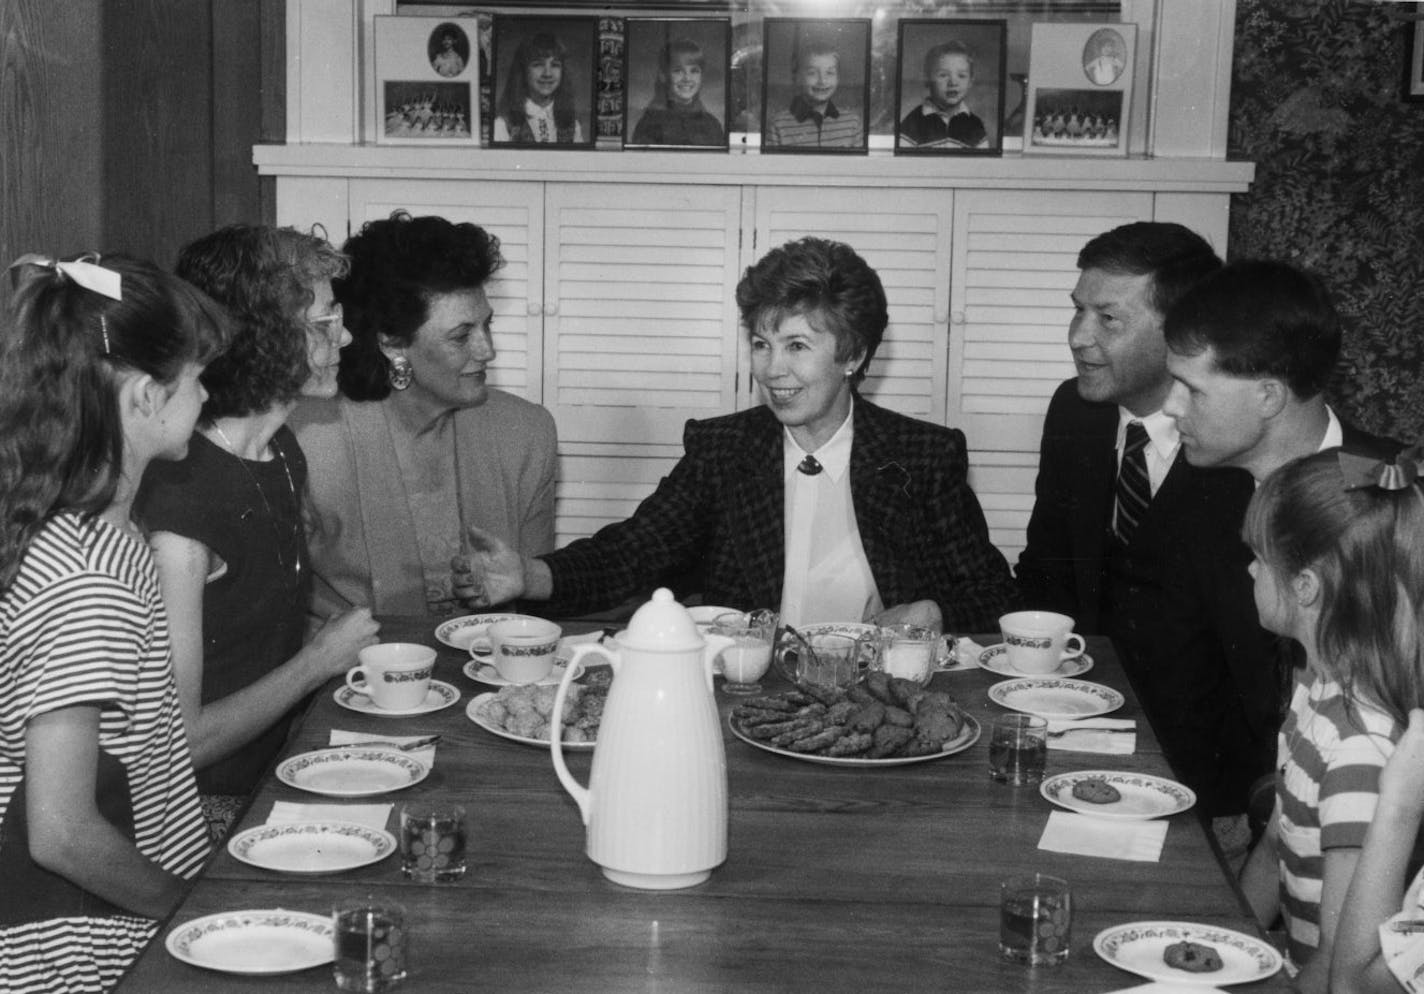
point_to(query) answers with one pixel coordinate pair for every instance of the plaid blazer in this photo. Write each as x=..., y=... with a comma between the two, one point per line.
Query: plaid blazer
x=720, y=513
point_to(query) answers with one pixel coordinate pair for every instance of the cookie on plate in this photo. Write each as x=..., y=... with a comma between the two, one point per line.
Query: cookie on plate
x=1192, y=957
x=1096, y=790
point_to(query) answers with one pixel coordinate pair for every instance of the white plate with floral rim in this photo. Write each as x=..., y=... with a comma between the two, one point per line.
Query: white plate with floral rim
x=486, y=673
x=311, y=846
x=352, y=772
x=995, y=659
x=440, y=695
x=475, y=711
x=1139, y=948
x=1055, y=697
x=257, y=942
x=1140, y=795
x=463, y=632
x=703, y=615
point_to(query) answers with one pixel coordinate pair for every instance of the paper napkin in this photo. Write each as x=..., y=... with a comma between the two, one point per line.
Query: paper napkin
x=1084, y=835
x=370, y=815
x=426, y=755
x=1112, y=735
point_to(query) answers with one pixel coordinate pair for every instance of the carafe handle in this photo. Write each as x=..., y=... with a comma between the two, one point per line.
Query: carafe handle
x=556, y=744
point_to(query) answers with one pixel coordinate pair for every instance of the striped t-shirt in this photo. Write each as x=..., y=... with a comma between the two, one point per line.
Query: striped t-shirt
x=1331, y=753
x=799, y=125
x=83, y=624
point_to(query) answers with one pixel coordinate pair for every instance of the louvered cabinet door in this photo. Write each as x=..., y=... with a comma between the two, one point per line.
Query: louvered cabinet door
x=1014, y=266
x=905, y=237
x=640, y=334
x=512, y=212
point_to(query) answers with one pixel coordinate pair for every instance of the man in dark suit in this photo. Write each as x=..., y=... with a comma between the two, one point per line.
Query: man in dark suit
x=863, y=513
x=1080, y=559
x=1251, y=348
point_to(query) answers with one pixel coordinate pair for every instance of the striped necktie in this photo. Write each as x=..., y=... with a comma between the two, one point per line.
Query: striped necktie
x=1134, y=490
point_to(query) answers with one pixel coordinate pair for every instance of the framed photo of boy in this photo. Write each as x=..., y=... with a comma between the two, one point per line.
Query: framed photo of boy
x=676, y=78
x=426, y=82
x=815, y=85
x=950, y=88
x=1080, y=88
x=545, y=81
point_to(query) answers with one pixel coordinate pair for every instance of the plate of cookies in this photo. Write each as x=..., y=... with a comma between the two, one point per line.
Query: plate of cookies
x=883, y=721
x=1187, y=953
x=1115, y=794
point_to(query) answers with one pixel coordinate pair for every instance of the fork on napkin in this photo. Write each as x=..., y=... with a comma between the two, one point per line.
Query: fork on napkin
x=1110, y=735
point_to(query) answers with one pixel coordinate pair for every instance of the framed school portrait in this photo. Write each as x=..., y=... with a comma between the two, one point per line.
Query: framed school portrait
x=815, y=85
x=426, y=84
x=1080, y=88
x=545, y=81
x=676, y=78
x=950, y=87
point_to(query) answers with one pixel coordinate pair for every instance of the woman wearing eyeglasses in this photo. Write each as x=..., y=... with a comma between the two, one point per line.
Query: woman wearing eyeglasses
x=226, y=523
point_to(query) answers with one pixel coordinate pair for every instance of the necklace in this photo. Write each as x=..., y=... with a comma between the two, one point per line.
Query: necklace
x=271, y=515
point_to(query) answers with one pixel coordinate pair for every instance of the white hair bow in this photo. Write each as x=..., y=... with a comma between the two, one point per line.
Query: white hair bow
x=85, y=271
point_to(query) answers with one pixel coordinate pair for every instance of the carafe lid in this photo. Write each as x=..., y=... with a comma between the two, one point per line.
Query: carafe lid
x=662, y=624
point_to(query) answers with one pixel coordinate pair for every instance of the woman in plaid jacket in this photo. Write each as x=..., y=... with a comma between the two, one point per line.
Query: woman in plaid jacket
x=818, y=503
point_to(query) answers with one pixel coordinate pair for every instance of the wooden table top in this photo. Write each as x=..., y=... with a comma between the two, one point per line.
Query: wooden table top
x=836, y=878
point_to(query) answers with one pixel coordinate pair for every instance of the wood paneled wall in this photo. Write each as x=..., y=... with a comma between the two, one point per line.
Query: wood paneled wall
x=129, y=124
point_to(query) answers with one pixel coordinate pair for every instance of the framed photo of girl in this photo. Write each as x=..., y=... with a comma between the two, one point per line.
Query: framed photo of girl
x=426, y=82
x=545, y=81
x=815, y=85
x=950, y=88
x=676, y=78
x=1079, y=88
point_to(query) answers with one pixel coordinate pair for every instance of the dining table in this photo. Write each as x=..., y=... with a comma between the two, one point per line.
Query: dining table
x=837, y=878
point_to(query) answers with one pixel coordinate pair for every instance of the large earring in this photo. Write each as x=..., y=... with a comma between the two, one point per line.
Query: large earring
x=401, y=372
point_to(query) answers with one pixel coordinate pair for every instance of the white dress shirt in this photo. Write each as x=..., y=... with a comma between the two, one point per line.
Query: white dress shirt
x=827, y=577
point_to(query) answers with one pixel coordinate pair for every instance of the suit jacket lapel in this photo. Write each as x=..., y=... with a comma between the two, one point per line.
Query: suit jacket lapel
x=879, y=484
x=757, y=509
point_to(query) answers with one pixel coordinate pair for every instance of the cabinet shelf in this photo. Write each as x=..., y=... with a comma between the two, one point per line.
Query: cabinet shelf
x=878, y=169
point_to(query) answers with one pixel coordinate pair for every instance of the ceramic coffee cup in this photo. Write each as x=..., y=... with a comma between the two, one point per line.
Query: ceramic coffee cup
x=1038, y=641
x=523, y=649
x=395, y=675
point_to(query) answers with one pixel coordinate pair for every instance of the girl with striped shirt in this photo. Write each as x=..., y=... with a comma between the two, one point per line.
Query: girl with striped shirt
x=99, y=816
x=1339, y=546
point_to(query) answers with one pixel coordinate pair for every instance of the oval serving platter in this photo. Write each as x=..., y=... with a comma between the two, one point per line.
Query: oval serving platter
x=967, y=736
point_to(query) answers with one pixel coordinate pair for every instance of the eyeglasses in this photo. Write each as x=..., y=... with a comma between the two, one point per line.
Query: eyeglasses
x=326, y=322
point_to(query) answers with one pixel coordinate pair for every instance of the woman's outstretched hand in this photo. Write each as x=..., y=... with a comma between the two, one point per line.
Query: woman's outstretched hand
x=492, y=572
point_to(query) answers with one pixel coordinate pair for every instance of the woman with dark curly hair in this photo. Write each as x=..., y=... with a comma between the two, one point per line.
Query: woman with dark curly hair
x=225, y=523
x=419, y=448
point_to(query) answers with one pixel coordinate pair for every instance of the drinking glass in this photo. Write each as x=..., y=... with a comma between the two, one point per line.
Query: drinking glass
x=1018, y=749
x=370, y=946
x=1035, y=919
x=747, y=659
x=432, y=842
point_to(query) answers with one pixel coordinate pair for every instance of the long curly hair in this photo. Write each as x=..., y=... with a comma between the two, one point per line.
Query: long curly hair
x=397, y=265
x=63, y=349
x=1366, y=545
x=264, y=277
